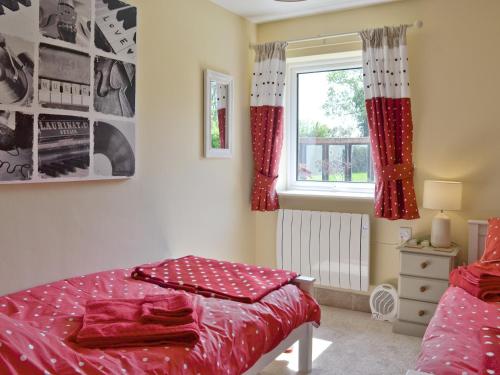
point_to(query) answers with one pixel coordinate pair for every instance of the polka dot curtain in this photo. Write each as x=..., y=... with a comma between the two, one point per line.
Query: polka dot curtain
x=388, y=104
x=268, y=84
x=222, y=92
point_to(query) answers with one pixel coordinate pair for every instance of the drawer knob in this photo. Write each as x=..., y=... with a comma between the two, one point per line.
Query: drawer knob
x=421, y=313
x=424, y=265
x=423, y=289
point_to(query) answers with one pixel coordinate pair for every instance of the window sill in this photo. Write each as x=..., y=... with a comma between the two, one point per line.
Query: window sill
x=327, y=194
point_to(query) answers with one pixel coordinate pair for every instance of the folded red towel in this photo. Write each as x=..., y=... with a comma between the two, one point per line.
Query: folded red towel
x=485, y=271
x=126, y=334
x=118, y=323
x=478, y=279
x=172, y=304
x=150, y=315
x=213, y=278
x=490, y=349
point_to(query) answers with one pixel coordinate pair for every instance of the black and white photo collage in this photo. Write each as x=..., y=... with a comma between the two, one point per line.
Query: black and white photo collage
x=67, y=90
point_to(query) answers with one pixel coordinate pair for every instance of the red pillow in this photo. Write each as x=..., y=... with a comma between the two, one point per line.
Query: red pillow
x=492, y=250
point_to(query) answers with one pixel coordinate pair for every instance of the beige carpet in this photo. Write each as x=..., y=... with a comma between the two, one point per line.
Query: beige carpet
x=351, y=343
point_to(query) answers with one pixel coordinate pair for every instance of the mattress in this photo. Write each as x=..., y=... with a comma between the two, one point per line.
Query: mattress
x=35, y=325
x=452, y=344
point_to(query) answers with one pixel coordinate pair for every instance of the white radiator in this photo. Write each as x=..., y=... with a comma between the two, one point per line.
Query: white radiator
x=332, y=247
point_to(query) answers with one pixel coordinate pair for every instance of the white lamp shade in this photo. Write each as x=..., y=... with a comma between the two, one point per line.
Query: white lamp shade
x=443, y=195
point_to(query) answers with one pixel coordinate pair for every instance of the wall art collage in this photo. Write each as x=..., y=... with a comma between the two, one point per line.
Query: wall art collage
x=67, y=90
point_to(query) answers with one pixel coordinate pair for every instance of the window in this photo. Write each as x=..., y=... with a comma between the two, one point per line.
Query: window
x=327, y=132
x=214, y=119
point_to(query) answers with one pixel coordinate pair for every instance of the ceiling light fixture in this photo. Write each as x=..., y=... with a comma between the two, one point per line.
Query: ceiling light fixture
x=289, y=1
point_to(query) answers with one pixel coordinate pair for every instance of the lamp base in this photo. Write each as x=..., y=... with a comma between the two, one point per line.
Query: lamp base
x=441, y=231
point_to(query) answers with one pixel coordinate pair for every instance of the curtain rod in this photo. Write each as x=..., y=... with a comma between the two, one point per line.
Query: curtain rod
x=322, y=45
x=418, y=24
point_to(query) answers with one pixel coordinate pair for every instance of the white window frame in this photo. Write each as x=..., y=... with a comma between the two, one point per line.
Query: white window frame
x=311, y=64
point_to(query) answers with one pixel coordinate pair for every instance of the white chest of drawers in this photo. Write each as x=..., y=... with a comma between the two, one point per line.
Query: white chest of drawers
x=423, y=278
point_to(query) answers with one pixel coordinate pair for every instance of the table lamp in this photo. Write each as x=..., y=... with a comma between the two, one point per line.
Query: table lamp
x=442, y=195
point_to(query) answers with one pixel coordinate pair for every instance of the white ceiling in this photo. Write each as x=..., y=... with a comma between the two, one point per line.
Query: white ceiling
x=259, y=11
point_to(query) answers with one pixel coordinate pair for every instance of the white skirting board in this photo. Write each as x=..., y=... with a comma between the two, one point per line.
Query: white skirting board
x=332, y=247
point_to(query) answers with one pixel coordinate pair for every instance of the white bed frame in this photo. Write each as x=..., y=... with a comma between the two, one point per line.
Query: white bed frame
x=478, y=230
x=302, y=334
x=477, y=236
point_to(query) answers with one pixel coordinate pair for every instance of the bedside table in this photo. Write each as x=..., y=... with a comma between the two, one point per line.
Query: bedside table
x=423, y=279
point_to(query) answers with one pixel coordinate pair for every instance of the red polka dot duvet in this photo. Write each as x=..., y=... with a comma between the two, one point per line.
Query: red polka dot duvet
x=463, y=337
x=36, y=327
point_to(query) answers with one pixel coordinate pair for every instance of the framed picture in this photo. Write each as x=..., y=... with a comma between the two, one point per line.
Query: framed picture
x=67, y=90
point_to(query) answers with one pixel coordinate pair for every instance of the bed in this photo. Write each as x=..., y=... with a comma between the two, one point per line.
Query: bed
x=451, y=344
x=236, y=338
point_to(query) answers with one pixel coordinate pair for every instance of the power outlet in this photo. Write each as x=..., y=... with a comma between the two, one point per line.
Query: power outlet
x=405, y=234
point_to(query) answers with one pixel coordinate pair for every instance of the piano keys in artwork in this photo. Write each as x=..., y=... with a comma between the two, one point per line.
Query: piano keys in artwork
x=54, y=93
x=63, y=146
x=64, y=79
x=116, y=28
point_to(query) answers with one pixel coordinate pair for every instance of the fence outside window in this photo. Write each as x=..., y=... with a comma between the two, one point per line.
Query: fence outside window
x=334, y=159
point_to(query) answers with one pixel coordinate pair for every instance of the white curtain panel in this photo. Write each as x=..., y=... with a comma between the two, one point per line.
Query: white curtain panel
x=268, y=80
x=222, y=92
x=385, y=63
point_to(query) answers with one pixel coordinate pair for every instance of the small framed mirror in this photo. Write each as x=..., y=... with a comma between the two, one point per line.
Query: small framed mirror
x=218, y=115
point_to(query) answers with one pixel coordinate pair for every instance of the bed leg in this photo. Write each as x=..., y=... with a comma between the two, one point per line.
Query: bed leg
x=305, y=350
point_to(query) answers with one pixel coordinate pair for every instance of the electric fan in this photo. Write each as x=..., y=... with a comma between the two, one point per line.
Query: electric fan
x=384, y=302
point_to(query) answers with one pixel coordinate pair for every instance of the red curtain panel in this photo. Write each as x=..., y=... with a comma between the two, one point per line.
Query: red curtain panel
x=268, y=84
x=222, y=92
x=388, y=104
x=221, y=114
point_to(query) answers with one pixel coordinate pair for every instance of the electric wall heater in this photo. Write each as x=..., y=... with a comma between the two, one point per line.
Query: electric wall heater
x=332, y=247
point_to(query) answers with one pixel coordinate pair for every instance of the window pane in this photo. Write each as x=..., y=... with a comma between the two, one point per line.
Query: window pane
x=310, y=166
x=361, y=164
x=214, y=116
x=337, y=163
x=332, y=127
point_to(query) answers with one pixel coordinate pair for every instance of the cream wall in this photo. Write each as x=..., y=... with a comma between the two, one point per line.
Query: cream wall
x=179, y=203
x=455, y=97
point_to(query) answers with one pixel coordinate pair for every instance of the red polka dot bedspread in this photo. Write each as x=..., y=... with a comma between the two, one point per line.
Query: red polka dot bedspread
x=214, y=278
x=35, y=325
x=454, y=341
